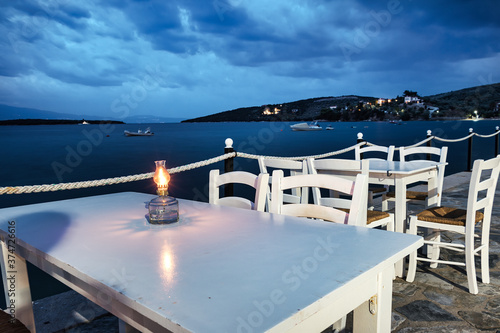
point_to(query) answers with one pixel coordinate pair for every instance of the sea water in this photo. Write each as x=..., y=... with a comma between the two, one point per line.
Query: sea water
x=50, y=154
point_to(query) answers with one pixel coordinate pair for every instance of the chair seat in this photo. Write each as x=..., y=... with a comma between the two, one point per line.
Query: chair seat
x=377, y=189
x=371, y=215
x=413, y=195
x=447, y=215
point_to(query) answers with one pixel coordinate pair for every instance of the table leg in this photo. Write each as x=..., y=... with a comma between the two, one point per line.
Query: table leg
x=375, y=314
x=16, y=286
x=400, y=216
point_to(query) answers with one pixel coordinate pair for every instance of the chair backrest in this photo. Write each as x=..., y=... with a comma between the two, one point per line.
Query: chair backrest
x=357, y=189
x=338, y=167
x=483, y=183
x=292, y=168
x=259, y=183
x=387, y=152
x=421, y=153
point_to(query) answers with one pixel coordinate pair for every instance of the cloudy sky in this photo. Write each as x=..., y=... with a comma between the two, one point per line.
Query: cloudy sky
x=188, y=58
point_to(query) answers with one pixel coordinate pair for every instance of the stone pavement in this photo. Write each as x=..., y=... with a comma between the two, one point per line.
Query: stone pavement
x=437, y=301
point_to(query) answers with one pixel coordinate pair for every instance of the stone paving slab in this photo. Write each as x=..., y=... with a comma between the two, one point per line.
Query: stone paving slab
x=437, y=301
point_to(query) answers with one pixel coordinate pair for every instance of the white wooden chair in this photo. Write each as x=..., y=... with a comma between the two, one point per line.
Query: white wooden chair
x=290, y=168
x=259, y=183
x=472, y=222
x=422, y=152
x=356, y=189
x=341, y=168
x=381, y=153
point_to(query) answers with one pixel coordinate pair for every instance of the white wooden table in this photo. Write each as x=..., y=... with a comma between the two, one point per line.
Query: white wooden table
x=219, y=269
x=400, y=175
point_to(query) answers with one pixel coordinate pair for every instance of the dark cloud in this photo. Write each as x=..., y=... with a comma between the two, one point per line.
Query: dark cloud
x=365, y=44
x=39, y=12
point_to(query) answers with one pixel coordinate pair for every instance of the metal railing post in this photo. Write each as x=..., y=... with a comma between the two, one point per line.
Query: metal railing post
x=360, y=139
x=429, y=143
x=496, y=142
x=469, y=153
x=228, y=166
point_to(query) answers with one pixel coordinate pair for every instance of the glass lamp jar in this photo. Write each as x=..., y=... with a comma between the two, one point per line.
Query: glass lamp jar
x=163, y=210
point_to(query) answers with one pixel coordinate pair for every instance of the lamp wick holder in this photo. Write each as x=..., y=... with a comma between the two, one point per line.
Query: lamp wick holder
x=162, y=191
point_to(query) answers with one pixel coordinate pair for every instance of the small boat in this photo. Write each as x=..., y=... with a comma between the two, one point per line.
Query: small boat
x=329, y=127
x=306, y=127
x=147, y=132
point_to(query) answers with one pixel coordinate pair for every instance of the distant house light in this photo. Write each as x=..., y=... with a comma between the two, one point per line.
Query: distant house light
x=409, y=99
x=268, y=112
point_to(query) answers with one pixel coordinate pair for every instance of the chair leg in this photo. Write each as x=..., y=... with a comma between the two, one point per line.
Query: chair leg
x=485, y=264
x=385, y=203
x=412, y=265
x=435, y=250
x=390, y=226
x=470, y=264
x=485, y=254
x=370, y=200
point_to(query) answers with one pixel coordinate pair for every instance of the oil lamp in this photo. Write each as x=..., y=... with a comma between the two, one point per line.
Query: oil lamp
x=163, y=209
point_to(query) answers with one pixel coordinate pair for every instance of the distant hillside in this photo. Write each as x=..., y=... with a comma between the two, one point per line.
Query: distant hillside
x=55, y=122
x=484, y=99
x=11, y=112
x=455, y=104
x=8, y=112
x=306, y=109
x=151, y=119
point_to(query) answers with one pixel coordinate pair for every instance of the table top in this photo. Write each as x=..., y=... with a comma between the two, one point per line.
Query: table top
x=402, y=167
x=215, y=270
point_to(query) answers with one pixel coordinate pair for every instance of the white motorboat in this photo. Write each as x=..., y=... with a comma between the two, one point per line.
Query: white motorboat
x=329, y=127
x=306, y=127
x=147, y=132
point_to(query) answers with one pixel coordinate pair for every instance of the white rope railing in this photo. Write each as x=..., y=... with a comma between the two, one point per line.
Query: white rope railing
x=487, y=135
x=454, y=140
x=107, y=181
x=337, y=152
x=444, y=139
x=411, y=146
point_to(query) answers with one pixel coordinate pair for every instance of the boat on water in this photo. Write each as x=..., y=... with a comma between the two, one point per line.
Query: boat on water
x=147, y=132
x=306, y=127
x=329, y=127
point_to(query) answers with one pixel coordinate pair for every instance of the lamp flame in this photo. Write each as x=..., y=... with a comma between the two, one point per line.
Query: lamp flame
x=161, y=177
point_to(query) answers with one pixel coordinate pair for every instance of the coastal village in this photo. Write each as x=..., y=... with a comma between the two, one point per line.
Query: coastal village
x=476, y=102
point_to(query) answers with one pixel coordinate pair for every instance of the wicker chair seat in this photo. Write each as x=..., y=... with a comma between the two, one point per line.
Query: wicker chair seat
x=447, y=215
x=377, y=189
x=371, y=215
x=413, y=195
